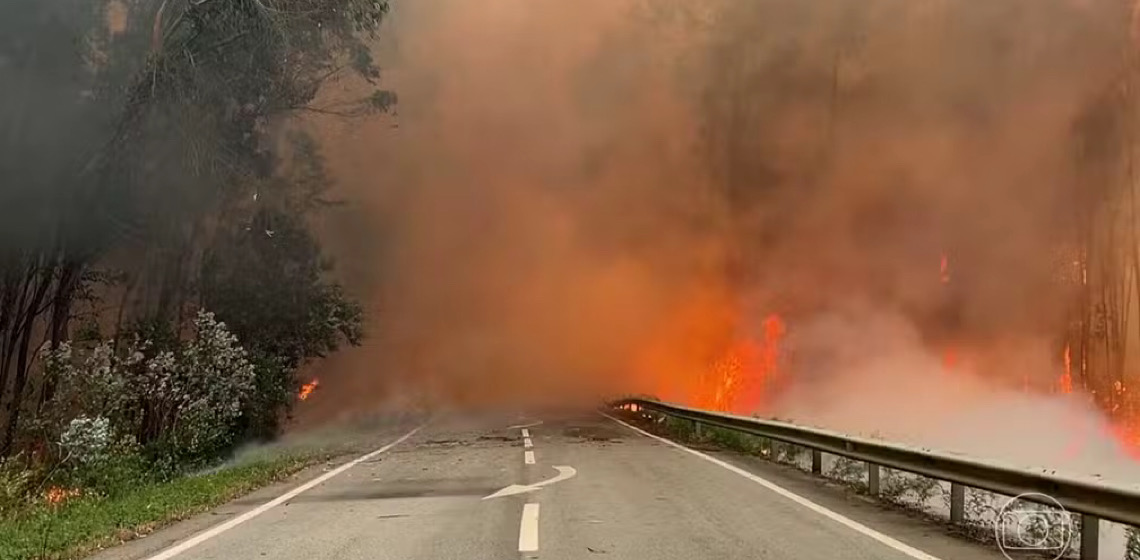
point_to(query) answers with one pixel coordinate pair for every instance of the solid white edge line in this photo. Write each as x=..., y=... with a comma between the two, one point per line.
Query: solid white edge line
x=528, y=529
x=526, y=432
x=528, y=457
x=528, y=443
x=845, y=521
x=212, y=532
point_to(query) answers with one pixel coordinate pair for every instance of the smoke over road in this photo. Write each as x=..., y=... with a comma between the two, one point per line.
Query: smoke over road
x=545, y=204
x=588, y=198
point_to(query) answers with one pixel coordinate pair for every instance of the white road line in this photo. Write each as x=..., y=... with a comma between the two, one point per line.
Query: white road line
x=212, y=532
x=850, y=523
x=527, y=443
x=528, y=457
x=526, y=432
x=528, y=529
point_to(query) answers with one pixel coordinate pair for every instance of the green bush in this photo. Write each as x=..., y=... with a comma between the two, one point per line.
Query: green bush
x=114, y=473
x=731, y=439
x=680, y=429
x=16, y=481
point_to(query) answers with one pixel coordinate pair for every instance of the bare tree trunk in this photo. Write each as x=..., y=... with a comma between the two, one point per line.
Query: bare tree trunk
x=69, y=279
x=22, y=335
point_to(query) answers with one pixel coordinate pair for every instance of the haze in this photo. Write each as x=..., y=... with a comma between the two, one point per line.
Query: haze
x=579, y=200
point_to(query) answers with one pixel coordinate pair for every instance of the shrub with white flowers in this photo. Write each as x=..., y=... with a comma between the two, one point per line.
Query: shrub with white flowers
x=183, y=401
x=86, y=439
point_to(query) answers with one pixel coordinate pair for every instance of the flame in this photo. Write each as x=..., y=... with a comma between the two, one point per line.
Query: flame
x=726, y=374
x=1065, y=383
x=58, y=495
x=742, y=378
x=308, y=388
x=678, y=361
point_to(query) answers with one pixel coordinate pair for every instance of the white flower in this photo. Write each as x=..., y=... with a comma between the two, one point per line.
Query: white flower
x=86, y=439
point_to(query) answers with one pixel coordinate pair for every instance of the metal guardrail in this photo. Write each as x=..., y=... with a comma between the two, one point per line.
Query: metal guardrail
x=1093, y=500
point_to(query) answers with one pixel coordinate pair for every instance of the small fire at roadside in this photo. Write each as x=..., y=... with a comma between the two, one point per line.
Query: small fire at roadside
x=58, y=495
x=307, y=389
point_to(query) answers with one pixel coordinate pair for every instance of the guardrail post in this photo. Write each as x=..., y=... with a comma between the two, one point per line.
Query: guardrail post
x=697, y=430
x=957, y=503
x=873, y=479
x=1090, y=537
x=816, y=461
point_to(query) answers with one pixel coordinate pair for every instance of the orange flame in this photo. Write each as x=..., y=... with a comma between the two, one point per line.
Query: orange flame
x=1065, y=383
x=308, y=388
x=742, y=379
x=57, y=495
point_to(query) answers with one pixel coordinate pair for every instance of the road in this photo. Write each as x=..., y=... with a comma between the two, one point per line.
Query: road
x=568, y=486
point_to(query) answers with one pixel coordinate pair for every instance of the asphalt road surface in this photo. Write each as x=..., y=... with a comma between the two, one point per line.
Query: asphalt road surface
x=554, y=486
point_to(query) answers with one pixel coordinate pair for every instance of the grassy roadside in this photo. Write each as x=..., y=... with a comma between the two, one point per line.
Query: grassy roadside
x=83, y=525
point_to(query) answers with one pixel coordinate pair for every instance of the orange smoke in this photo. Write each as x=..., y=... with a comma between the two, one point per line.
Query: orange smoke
x=949, y=360
x=307, y=389
x=1128, y=434
x=691, y=338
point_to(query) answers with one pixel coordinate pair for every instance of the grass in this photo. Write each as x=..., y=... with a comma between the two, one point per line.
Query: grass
x=683, y=430
x=86, y=524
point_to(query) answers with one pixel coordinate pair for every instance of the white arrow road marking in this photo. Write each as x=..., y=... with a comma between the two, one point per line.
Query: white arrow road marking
x=563, y=474
x=531, y=425
x=526, y=432
x=219, y=529
x=528, y=529
x=528, y=457
x=527, y=443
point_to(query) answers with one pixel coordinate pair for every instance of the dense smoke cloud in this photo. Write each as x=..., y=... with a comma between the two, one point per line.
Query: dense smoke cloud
x=543, y=199
x=581, y=199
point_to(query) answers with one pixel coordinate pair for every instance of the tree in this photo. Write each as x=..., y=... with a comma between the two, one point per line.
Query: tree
x=167, y=121
x=50, y=224
x=266, y=278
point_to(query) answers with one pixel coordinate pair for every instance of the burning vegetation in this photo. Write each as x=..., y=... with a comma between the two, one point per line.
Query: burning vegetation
x=307, y=389
x=747, y=378
x=718, y=202
x=57, y=495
